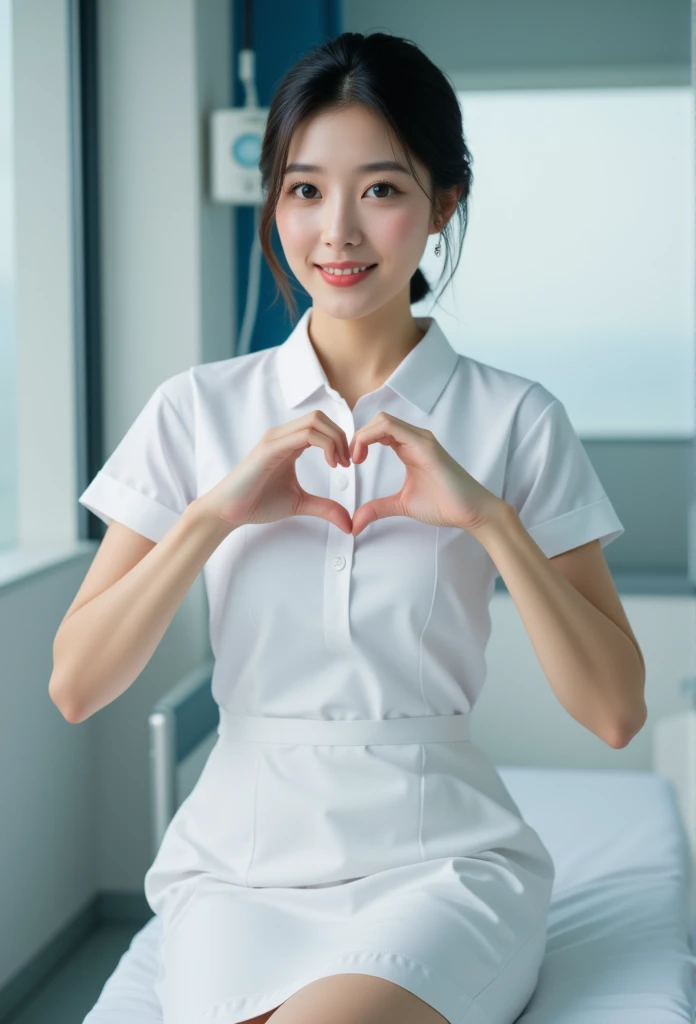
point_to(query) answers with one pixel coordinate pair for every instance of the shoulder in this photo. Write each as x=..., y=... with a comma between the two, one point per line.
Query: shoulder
x=215, y=384
x=501, y=396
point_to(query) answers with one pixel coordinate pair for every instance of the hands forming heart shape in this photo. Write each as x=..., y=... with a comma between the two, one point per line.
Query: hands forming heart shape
x=437, y=490
x=263, y=486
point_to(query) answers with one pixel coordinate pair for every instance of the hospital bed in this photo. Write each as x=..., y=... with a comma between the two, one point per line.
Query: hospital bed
x=620, y=941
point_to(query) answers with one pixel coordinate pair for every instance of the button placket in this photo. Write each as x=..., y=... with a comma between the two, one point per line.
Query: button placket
x=339, y=556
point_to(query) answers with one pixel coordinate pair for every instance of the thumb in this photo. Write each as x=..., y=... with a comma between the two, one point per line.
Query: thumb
x=324, y=508
x=378, y=508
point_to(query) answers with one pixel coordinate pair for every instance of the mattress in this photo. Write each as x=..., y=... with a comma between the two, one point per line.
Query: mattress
x=620, y=938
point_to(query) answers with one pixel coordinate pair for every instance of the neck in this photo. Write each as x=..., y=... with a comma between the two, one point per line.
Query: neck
x=360, y=354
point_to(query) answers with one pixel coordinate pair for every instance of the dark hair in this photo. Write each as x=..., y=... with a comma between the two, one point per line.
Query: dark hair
x=392, y=77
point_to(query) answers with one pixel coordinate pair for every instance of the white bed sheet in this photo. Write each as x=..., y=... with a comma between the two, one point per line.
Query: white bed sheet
x=619, y=941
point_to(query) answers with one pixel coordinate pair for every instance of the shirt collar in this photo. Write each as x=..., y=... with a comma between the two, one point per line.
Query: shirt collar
x=420, y=377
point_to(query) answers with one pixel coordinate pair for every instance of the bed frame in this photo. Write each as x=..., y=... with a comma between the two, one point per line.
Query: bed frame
x=178, y=722
x=674, y=757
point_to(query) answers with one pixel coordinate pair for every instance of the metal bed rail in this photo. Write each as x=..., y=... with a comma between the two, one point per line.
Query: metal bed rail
x=178, y=722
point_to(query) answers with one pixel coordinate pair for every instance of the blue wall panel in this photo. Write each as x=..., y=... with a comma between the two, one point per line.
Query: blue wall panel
x=281, y=33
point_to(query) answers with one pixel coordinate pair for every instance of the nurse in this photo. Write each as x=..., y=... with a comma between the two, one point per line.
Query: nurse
x=348, y=854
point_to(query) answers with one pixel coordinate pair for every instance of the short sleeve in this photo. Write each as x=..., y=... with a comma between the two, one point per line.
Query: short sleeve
x=149, y=479
x=554, y=487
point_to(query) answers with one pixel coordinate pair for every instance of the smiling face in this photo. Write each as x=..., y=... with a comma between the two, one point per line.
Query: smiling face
x=345, y=213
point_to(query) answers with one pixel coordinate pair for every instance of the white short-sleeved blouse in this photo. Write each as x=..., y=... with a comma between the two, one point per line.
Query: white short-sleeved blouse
x=300, y=598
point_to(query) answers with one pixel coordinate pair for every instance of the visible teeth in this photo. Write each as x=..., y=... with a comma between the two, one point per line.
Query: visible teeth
x=351, y=270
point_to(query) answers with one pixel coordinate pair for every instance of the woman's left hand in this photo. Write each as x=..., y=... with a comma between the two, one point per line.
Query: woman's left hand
x=437, y=490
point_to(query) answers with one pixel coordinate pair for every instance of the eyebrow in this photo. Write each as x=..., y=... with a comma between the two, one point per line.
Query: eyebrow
x=378, y=165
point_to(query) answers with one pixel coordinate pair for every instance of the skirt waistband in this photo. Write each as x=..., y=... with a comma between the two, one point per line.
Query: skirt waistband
x=338, y=732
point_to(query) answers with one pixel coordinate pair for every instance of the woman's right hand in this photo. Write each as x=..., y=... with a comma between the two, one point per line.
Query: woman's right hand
x=263, y=487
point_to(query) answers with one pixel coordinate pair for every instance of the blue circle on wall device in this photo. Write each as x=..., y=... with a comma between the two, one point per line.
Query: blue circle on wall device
x=246, y=150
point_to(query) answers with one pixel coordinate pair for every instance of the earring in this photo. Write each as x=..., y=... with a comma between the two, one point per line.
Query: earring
x=438, y=247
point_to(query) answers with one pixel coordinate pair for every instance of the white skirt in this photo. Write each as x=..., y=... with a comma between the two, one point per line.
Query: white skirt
x=312, y=847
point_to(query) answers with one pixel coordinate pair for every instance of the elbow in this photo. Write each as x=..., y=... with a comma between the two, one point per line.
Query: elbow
x=66, y=708
x=623, y=735
x=636, y=717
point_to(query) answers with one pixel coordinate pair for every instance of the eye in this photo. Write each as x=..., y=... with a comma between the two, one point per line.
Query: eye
x=306, y=184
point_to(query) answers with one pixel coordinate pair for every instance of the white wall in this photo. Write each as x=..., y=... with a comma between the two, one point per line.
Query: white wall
x=519, y=720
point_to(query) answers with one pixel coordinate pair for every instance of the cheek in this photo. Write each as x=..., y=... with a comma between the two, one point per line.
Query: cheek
x=399, y=233
x=292, y=230
x=296, y=238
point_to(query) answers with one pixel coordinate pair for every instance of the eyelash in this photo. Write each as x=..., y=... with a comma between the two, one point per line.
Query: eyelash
x=292, y=188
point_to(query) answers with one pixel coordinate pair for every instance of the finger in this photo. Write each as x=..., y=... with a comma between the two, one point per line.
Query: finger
x=320, y=421
x=324, y=508
x=389, y=431
x=359, y=446
x=300, y=434
x=323, y=440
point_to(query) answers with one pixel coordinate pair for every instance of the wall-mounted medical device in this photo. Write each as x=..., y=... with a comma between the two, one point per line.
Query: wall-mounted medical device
x=235, y=137
x=235, y=149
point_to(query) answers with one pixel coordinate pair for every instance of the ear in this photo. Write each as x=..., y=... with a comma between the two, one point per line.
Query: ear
x=445, y=207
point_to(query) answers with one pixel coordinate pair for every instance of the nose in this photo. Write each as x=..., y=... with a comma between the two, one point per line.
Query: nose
x=340, y=228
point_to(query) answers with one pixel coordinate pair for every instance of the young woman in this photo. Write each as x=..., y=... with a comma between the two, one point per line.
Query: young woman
x=348, y=854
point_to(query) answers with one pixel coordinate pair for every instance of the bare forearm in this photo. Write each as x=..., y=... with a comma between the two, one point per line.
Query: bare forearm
x=592, y=666
x=103, y=647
